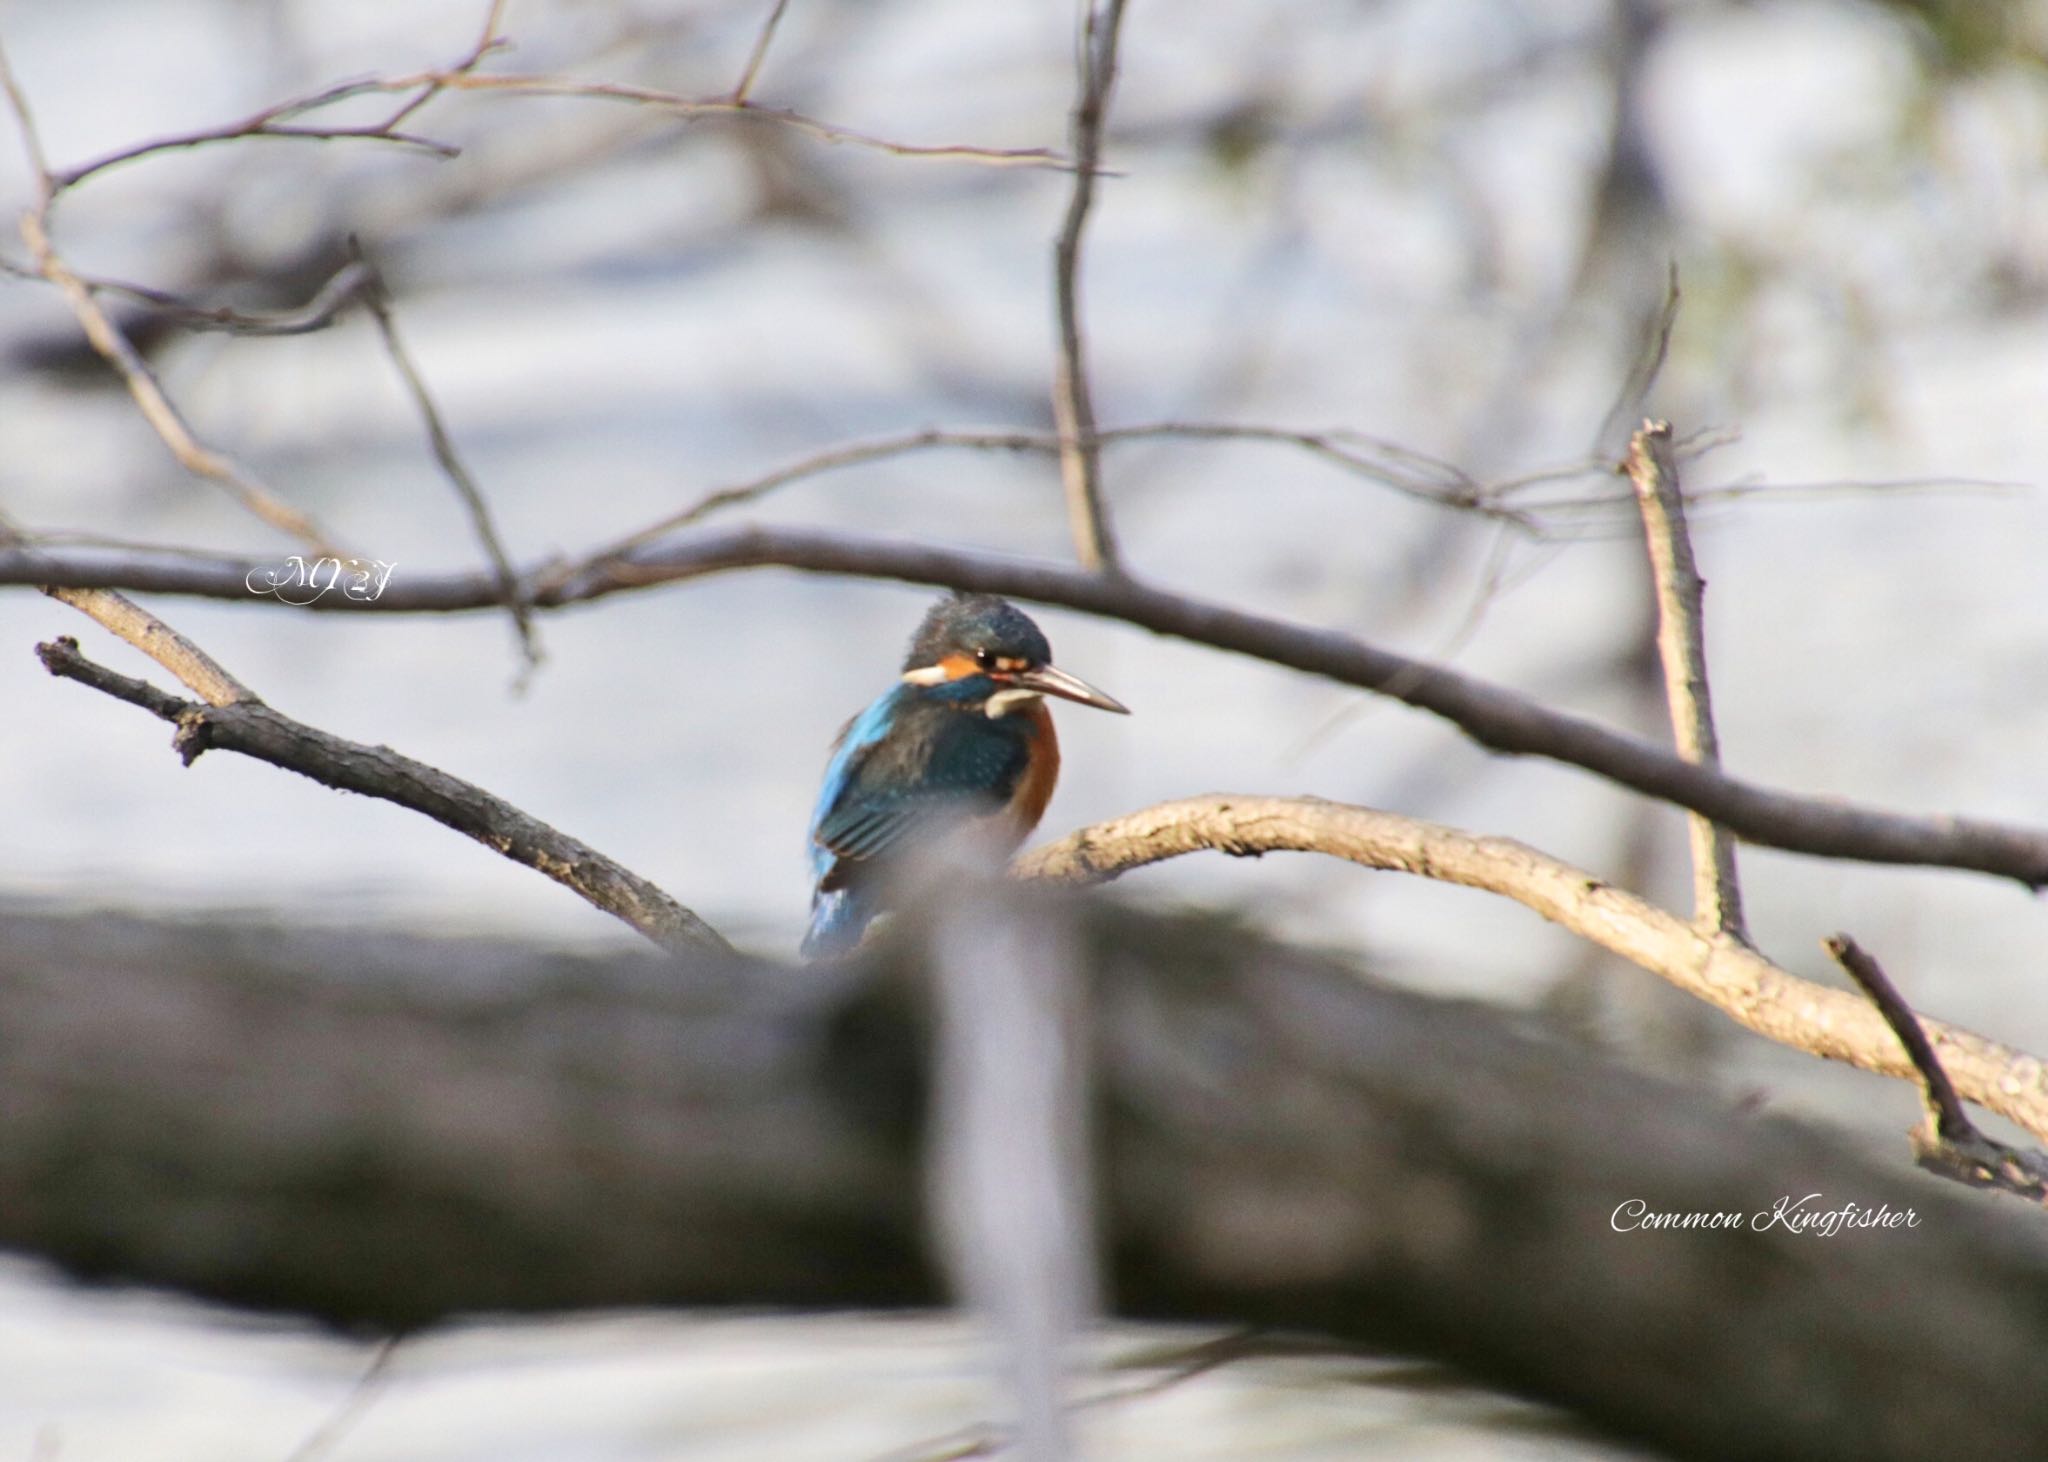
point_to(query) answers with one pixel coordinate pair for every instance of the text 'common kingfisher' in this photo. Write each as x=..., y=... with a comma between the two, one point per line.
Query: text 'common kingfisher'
x=964, y=734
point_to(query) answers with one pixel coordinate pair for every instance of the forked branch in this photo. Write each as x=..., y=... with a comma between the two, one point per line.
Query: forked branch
x=1742, y=984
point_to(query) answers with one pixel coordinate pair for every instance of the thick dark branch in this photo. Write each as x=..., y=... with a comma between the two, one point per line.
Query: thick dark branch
x=1497, y=718
x=255, y=730
x=1740, y=983
x=394, y=1131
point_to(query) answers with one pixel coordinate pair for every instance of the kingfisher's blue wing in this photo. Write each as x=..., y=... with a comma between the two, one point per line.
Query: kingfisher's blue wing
x=904, y=762
x=856, y=739
x=900, y=765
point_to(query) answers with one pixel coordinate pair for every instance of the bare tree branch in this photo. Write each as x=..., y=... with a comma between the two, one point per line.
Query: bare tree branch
x=684, y=106
x=31, y=135
x=254, y=729
x=1497, y=718
x=1948, y=1143
x=1072, y=399
x=107, y=339
x=452, y=466
x=199, y=671
x=157, y=408
x=1411, y=473
x=1681, y=648
x=760, y=51
x=1743, y=985
x=317, y=313
x=273, y=121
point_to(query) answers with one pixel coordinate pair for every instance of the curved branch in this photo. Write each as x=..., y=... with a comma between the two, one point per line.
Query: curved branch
x=1497, y=718
x=1743, y=985
x=254, y=729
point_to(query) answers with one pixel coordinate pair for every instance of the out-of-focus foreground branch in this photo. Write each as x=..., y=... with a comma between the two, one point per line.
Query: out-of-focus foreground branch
x=389, y=1131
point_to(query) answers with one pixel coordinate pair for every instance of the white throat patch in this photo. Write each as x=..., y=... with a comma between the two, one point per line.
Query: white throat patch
x=1005, y=701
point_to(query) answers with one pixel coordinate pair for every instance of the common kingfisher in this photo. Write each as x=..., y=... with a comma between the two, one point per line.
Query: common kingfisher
x=963, y=734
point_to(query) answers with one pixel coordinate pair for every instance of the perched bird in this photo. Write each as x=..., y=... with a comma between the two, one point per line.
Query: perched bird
x=963, y=735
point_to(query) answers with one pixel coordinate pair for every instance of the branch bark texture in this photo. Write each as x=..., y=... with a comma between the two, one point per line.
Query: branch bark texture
x=391, y=1131
x=1682, y=650
x=1742, y=984
x=254, y=729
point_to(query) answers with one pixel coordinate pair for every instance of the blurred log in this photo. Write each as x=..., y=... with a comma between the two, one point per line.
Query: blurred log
x=384, y=1130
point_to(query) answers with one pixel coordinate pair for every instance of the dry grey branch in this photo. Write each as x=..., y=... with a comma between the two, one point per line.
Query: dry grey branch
x=1495, y=717
x=340, y=291
x=1948, y=1143
x=1681, y=649
x=1740, y=983
x=1073, y=399
x=156, y=406
x=255, y=730
x=759, y=53
x=274, y=120
x=512, y=593
x=685, y=106
x=1413, y=474
x=196, y=669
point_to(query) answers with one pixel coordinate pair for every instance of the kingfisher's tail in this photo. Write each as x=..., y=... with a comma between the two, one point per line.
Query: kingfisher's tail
x=838, y=919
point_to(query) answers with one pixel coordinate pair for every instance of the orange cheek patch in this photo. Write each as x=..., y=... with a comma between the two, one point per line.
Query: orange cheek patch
x=959, y=667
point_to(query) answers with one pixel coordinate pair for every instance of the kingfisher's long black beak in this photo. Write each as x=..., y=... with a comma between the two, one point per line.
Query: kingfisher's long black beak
x=1050, y=680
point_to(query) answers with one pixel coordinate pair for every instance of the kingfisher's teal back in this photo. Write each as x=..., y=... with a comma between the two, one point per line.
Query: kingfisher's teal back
x=964, y=734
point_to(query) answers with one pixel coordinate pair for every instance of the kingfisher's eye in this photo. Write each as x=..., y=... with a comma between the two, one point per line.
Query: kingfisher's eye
x=985, y=658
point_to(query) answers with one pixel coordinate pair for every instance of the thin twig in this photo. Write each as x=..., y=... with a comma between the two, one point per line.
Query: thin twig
x=119, y=352
x=685, y=106
x=31, y=135
x=272, y=121
x=197, y=670
x=257, y=125
x=323, y=1438
x=1949, y=1143
x=1072, y=399
x=156, y=406
x=1649, y=364
x=1494, y=716
x=1681, y=648
x=1411, y=473
x=255, y=730
x=317, y=313
x=453, y=467
x=760, y=51
x=487, y=41
x=1736, y=980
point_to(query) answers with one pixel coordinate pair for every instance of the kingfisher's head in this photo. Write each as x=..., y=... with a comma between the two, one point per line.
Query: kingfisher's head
x=976, y=649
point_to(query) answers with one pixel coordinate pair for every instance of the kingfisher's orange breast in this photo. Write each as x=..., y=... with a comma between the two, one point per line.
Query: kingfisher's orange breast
x=1034, y=788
